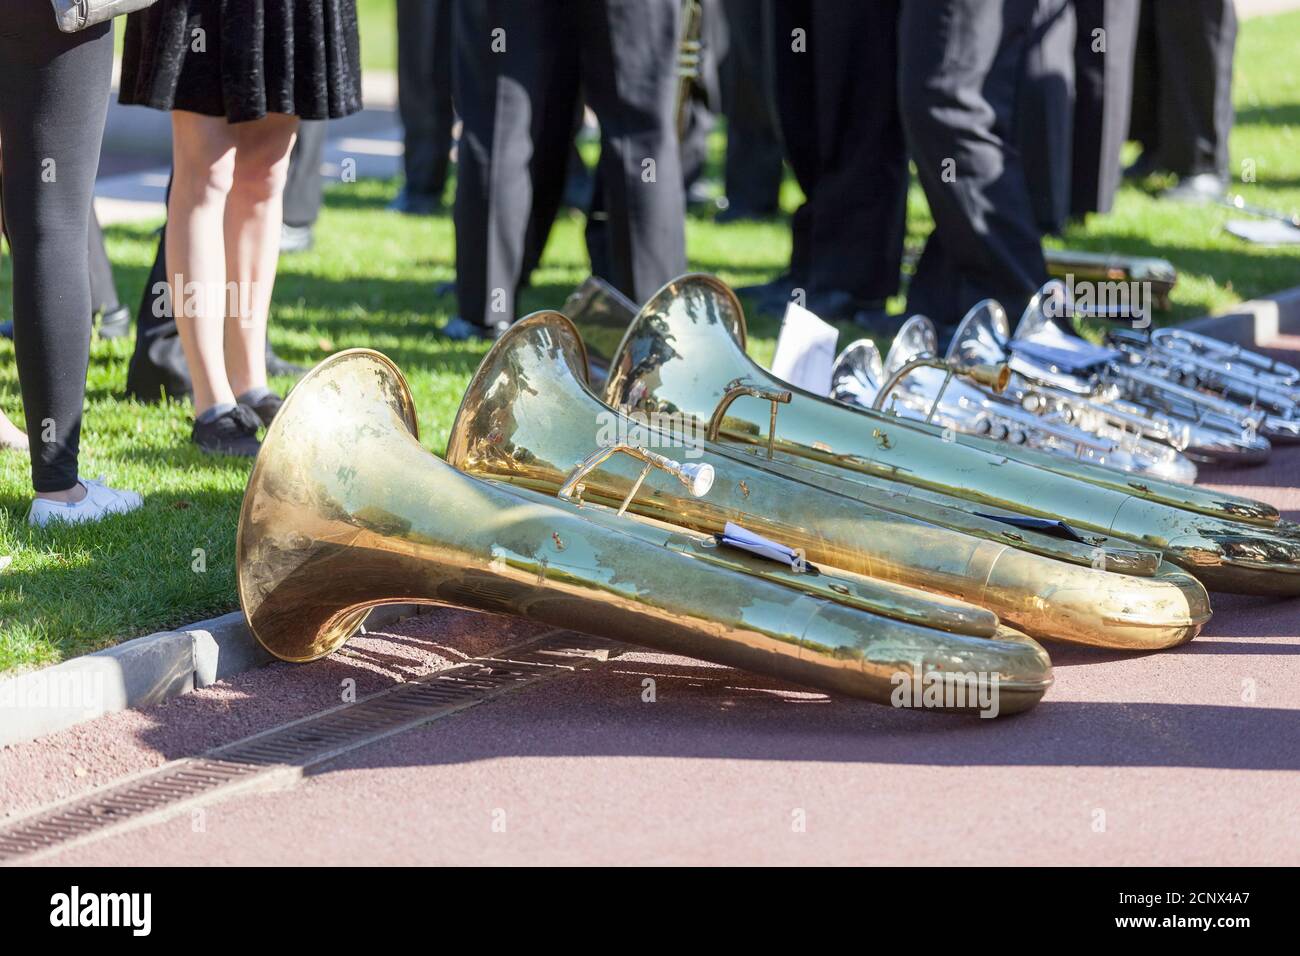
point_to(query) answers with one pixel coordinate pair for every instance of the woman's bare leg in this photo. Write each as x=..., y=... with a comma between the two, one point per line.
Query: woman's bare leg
x=254, y=216
x=203, y=157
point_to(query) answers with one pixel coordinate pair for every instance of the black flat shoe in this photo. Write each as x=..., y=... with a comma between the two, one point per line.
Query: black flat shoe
x=1145, y=165
x=115, y=324
x=266, y=408
x=840, y=306
x=771, y=296
x=415, y=204
x=234, y=433
x=462, y=330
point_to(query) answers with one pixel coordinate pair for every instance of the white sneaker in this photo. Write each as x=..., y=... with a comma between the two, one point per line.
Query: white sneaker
x=100, y=500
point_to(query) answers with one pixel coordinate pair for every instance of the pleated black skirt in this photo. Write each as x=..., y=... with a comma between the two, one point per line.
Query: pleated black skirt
x=242, y=59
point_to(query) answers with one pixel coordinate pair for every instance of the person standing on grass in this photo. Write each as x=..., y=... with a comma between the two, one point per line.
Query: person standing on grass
x=53, y=102
x=236, y=77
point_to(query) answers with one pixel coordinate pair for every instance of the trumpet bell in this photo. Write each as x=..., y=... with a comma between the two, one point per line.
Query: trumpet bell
x=916, y=339
x=857, y=374
x=981, y=337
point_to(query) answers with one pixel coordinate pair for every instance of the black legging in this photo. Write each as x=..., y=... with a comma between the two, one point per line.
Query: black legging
x=54, y=91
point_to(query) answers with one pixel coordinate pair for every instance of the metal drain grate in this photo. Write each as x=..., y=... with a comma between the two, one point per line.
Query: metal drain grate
x=274, y=755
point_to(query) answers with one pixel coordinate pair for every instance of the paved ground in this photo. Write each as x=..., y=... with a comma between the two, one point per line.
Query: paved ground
x=1191, y=756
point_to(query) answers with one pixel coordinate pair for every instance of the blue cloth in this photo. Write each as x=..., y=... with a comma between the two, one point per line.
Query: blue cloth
x=734, y=536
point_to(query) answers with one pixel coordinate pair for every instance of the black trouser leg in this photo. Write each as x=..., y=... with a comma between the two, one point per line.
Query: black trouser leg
x=424, y=92
x=1144, y=115
x=794, y=91
x=511, y=101
x=961, y=66
x=860, y=205
x=1197, y=41
x=625, y=48
x=1045, y=113
x=54, y=91
x=103, y=290
x=754, y=162
x=1103, y=97
x=303, y=186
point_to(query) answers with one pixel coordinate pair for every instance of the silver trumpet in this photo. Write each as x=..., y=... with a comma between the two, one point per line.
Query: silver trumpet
x=1086, y=382
x=1220, y=370
x=921, y=385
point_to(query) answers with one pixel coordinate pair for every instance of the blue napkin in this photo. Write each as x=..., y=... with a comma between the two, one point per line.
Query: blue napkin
x=734, y=536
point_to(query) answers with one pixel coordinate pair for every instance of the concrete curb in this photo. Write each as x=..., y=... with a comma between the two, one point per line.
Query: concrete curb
x=1256, y=323
x=139, y=673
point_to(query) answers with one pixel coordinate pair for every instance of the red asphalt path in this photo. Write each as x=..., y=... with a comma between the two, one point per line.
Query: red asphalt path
x=1188, y=756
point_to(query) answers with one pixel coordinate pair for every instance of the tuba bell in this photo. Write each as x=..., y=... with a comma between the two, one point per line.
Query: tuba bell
x=529, y=420
x=345, y=510
x=678, y=357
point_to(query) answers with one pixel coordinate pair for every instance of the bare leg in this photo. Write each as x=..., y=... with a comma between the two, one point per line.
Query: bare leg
x=203, y=156
x=254, y=215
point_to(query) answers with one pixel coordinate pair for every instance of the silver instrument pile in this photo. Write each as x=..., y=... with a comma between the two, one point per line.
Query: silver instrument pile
x=1148, y=402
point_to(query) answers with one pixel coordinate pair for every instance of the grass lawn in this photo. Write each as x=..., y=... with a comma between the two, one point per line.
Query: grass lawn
x=370, y=282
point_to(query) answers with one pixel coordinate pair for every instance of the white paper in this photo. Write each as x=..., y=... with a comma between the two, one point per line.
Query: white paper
x=805, y=350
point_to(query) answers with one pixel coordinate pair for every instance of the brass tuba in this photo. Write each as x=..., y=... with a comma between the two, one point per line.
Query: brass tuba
x=345, y=510
x=679, y=358
x=528, y=419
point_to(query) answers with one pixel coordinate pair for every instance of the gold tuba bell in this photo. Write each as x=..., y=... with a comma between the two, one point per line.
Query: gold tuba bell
x=345, y=510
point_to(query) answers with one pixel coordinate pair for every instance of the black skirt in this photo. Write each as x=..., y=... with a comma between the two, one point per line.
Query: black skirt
x=242, y=59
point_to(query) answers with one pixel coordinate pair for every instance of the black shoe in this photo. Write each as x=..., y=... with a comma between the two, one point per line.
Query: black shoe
x=878, y=323
x=296, y=238
x=115, y=324
x=234, y=433
x=1201, y=188
x=771, y=295
x=837, y=305
x=278, y=366
x=734, y=213
x=462, y=330
x=265, y=408
x=415, y=204
x=1145, y=165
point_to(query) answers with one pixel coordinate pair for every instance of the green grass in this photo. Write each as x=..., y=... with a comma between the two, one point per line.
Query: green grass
x=370, y=282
